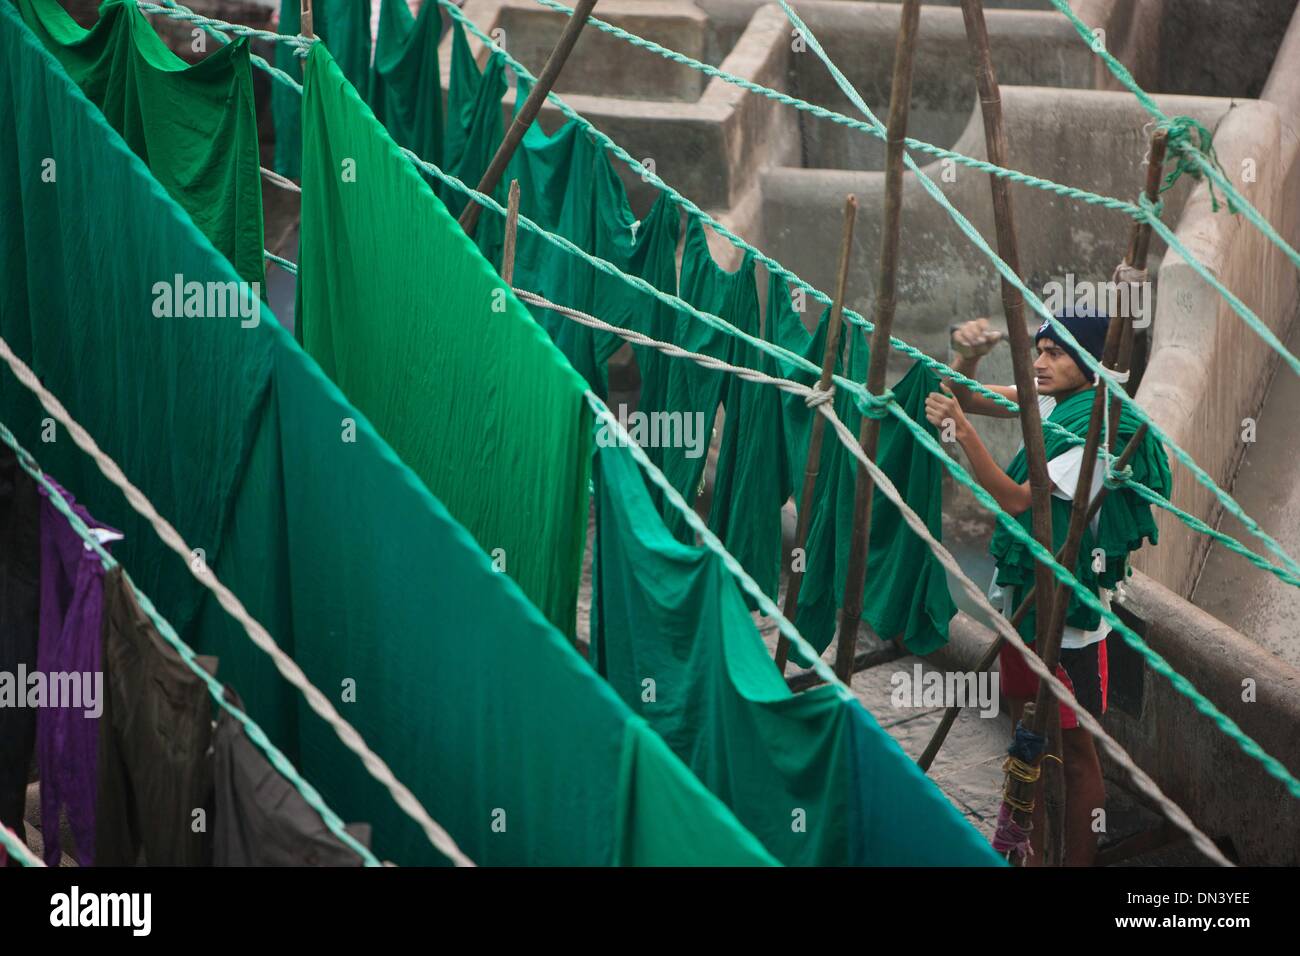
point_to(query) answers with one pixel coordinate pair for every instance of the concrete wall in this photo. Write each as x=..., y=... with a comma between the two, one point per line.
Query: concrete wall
x=1208, y=370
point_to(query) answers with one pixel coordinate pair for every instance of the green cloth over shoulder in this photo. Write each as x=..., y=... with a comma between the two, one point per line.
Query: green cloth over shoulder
x=812, y=775
x=1123, y=523
x=906, y=589
x=194, y=126
x=473, y=699
x=402, y=312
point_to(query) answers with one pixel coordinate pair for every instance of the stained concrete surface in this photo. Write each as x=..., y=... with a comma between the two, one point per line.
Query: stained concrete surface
x=1258, y=604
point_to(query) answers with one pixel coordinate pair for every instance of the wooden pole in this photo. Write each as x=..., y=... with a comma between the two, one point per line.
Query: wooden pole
x=813, y=465
x=995, y=139
x=532, y=106
x=512, y=231
x=900, y=99
x=305, y=24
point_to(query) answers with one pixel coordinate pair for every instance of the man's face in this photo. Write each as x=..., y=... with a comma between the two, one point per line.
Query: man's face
x=1055, y=372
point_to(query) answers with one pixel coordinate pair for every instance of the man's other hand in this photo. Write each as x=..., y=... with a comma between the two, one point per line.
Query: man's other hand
x=941, y=409
x=975, y=338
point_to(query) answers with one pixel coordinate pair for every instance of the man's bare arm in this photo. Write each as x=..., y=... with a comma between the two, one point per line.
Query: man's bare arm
x=941, y=408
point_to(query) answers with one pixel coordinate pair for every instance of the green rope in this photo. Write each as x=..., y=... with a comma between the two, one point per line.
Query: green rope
x=254, y=732
x=1191, y=152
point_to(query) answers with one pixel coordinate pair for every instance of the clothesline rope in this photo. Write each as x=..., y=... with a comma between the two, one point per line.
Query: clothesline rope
x=285, y=664
x=1291, y=574
x=1140, y=779
x=1161, y=666
x=301, y=44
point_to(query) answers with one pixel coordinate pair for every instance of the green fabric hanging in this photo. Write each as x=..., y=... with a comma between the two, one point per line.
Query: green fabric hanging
x=474, y=125
x=194, y=126
x=906, y=589
x=344, y=27
x=1123, y=522
x=693, y=391
x=473, y=699
x=567, y=186
x=405, y=82
x=417, y=328
x=814, y=777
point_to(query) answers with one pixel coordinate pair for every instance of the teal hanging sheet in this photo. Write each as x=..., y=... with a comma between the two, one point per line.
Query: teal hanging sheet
x=344, y=27
x=194, y=126
x=418, y=329
x=813, y=776
x=405, y=81
x=474, y=124
x=478, y=704
x=906, y=589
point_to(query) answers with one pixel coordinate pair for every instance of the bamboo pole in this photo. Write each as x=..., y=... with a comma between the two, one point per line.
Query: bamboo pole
x=512, y=233
x=305, y=24
x=900, y=99
x=813, y=465
x=995, y=139
x=532, y=106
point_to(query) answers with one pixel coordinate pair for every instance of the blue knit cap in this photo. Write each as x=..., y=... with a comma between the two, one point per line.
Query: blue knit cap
x=1088, y=326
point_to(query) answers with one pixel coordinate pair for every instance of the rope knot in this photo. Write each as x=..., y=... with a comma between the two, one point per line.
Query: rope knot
x=874, y=406
x=817, y=396
x=1118, y=477
x=1193, y=144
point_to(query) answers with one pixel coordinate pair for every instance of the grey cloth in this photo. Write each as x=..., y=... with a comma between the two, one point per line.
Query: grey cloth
x=20, y=599
x=155, y=768
x=260, y=819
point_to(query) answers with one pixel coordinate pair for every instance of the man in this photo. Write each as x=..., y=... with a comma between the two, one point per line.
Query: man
x=1065, y=396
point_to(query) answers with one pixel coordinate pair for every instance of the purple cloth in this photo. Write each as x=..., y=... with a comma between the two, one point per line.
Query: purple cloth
x=67, y=741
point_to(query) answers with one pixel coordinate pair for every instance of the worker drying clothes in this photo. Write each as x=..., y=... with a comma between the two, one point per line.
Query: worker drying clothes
x=1065, y=389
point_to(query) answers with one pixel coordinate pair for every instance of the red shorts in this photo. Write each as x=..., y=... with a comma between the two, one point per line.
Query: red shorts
x=1083, y=670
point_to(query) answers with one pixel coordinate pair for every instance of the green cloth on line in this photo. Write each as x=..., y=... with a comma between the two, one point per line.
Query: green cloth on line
x=474, y=123
x=1123, y=522
x=405, y=82
x=405, y=315
x=472, y=698
x=813, y=776
x=344, y=27
x=567, y=186
x=906, y=589
x=194, y=126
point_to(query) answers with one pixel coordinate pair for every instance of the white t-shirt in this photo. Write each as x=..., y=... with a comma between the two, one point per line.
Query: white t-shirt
x=1064, y=472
